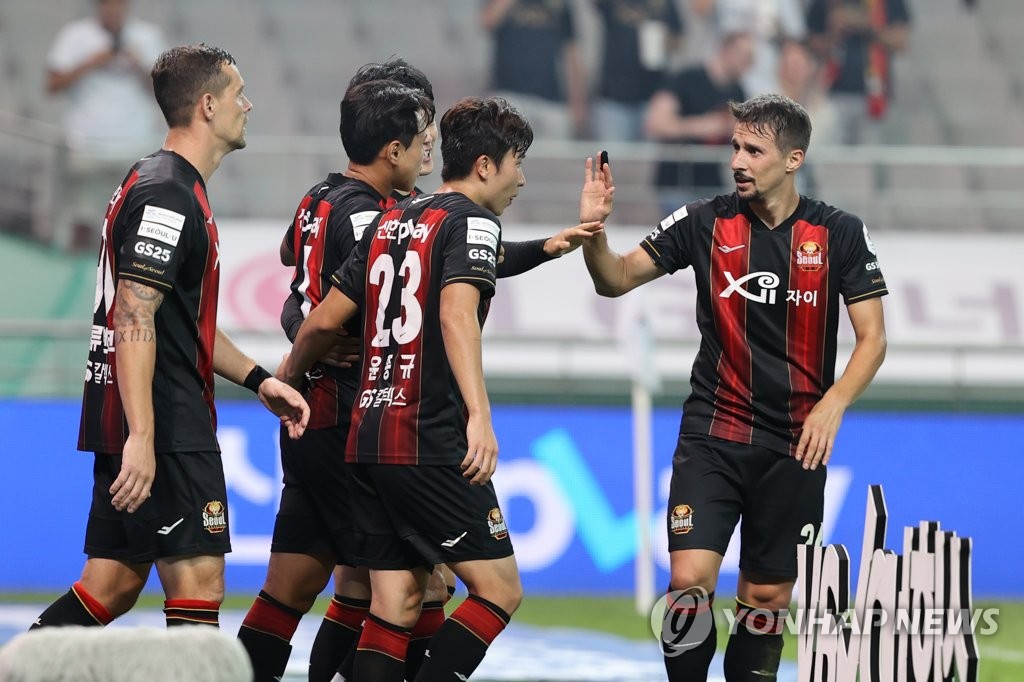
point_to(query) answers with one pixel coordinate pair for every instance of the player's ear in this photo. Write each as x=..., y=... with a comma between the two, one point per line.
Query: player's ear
x=484, y=166
x=794, y=159
x=393, y=151
x=207, y=106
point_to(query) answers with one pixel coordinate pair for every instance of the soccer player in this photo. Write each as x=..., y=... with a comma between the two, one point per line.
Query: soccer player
x=384, y=129
x=148, y=413
x=421, y=443
x=341, y=625
x=759, y=425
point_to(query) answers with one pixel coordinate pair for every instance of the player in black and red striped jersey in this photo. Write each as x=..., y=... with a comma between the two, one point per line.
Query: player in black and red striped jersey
x=341, y=625
x=384, y=127
x=148, y=414
x=421, y=441
x=758, y=428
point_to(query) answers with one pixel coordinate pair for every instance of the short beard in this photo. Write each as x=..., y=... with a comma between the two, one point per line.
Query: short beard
x=753, y=195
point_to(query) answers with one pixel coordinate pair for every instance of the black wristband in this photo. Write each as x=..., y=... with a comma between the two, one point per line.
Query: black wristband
x=256, y=377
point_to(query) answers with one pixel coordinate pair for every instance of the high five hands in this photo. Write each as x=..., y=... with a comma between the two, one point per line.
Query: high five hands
x=598, y=190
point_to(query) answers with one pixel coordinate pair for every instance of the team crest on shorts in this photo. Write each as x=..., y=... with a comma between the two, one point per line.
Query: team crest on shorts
x=214, y=517
x=496, y=522
x=680, y=522
x=810, y=257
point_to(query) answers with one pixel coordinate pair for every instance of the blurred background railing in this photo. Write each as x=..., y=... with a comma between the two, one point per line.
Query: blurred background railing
x=941, y=196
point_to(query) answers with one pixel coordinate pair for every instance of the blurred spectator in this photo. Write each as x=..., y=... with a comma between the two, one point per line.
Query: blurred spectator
x=101, y=64
x=639, y=38
x=770, y=22
x=691, y=108
x=537, y=65
x=802, y=78
x=857, y=39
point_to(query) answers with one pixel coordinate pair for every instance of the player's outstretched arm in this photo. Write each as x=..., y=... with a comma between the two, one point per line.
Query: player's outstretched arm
x=613, y=274
x=135, y=309
x=281, y=399
x=316, y=335
x=819, y=431
x=460, y=329
x=571, y=238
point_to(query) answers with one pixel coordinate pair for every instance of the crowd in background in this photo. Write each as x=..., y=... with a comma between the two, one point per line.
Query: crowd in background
x=664, y=72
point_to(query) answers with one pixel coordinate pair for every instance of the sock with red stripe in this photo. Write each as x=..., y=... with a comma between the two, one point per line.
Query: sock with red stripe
x=430, y=621
x=461, y=643
x=755, y=644
x=336, y=639
x=75, y=607
x=266, y=634
x=191, y=612
x=688, y=636
x=380, y=654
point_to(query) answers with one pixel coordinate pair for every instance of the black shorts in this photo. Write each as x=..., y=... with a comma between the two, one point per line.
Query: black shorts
x=409, y=516
x=314, y=516
x=715, y=482
x=186, y=515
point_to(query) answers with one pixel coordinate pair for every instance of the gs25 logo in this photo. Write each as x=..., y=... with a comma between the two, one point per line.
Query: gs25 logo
x=482, y=254
x=150, y=250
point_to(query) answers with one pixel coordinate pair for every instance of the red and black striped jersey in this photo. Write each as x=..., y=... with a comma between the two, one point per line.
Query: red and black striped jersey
x=327, y=225
x=409, y=409
x=767, y=310
x=158, y=231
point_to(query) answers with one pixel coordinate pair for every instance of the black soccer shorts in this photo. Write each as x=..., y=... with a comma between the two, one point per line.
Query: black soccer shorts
x=187, y=513
x=408, y=516
x=314, y=517
x=715, y=483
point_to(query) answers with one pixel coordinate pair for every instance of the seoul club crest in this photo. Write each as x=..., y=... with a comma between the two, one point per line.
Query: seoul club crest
x=810, y=257
x=215, y=517
x=680, y=521
x=496, y=524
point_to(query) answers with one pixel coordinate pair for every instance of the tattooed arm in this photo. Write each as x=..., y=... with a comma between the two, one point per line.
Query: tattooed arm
x=135, y=309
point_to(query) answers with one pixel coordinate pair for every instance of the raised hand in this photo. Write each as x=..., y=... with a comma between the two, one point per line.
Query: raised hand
x=598, y=190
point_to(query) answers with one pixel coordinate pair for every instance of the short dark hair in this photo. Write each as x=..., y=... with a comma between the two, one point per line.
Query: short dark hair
x=394, y=69
x=476, y=127
x=182, y=74
x=376, y=112
x=778, y=116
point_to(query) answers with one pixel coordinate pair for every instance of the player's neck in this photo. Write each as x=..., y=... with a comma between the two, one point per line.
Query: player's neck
x=775, y=210
x=203, y=156
x=373, y=175
x=462, y=186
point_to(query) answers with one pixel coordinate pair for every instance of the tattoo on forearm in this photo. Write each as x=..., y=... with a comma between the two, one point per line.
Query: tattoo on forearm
x=144, y=335
x=134, y=312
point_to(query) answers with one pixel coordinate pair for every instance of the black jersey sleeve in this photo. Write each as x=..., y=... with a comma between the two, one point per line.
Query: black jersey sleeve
x=162, y=225
x=291, y=317
x=289, y=232
x=860, y=275
x=350, y=278
x=670, y=243
x=471, y=252
x=520, y=257
x=348, y=221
